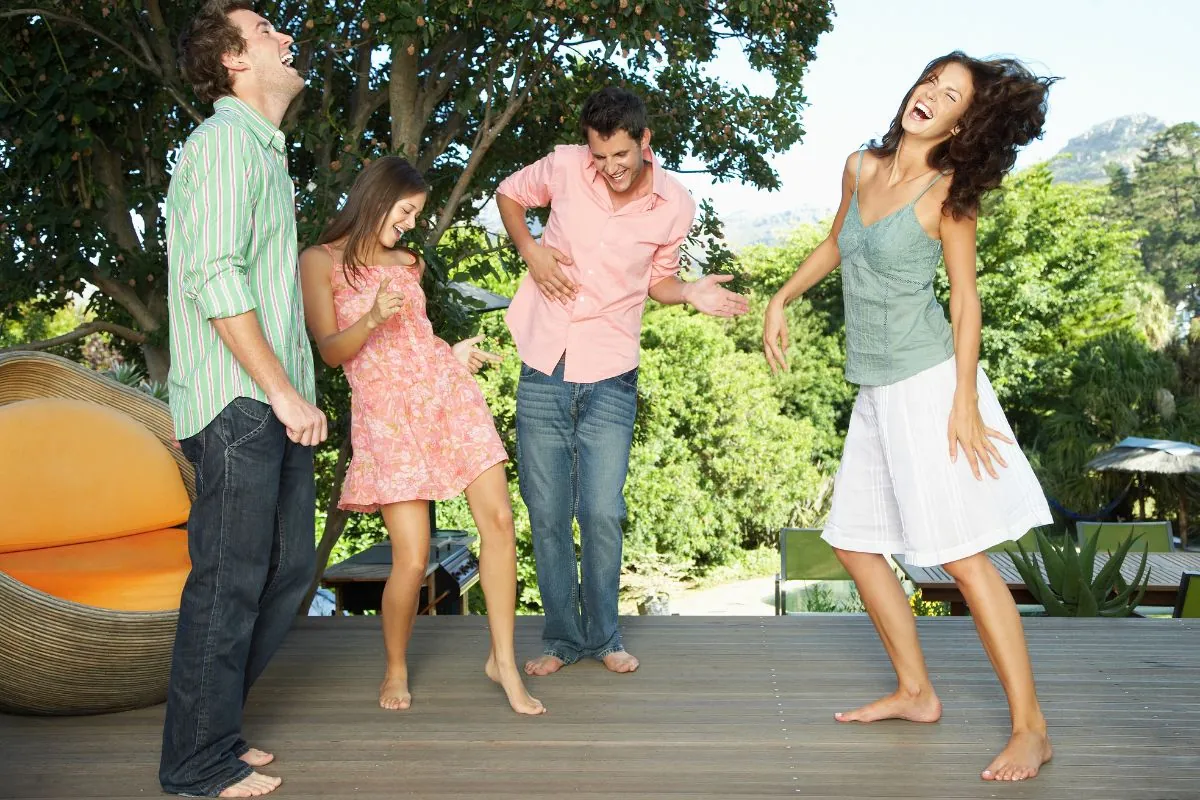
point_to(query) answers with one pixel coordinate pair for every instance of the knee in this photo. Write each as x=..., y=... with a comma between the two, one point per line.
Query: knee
x=497, y=522
x=408, y=566
x=602, y=517
x=967, y=570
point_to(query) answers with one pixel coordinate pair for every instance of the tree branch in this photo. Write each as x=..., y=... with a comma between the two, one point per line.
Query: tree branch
x=124, y=296
x=488, y=133
x=41, y=12
x=83, y=331
x=150, y=67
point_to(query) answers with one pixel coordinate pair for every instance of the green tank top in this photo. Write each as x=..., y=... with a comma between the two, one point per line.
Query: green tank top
x=895, y=327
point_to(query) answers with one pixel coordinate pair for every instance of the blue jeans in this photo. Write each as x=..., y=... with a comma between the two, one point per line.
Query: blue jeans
x=573, y=442
x=251, y=541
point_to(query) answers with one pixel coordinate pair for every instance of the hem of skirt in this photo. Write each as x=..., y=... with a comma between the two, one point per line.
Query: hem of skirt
x=1012, y=532
x=368, y=507
x=837, y=538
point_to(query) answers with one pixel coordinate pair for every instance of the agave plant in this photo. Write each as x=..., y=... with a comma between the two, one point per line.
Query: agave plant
x=131, y=375
x=1072, y=588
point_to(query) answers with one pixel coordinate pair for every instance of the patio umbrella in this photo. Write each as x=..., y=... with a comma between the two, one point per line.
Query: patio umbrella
x=1158, y=456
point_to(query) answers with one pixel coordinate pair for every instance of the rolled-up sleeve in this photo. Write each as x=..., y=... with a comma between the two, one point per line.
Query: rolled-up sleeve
x=531, y=186
x=222, y=223
x=666, y=258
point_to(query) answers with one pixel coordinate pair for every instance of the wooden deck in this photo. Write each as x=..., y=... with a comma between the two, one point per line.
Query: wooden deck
x=723, y=707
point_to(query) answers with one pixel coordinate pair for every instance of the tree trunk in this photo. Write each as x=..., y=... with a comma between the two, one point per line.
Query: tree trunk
x=158, y=361
x=335, y=522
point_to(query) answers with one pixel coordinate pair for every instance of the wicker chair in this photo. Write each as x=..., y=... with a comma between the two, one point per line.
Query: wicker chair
x=62, y=657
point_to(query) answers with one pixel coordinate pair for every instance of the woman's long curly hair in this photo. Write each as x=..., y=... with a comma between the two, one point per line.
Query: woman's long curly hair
x=1007, y=111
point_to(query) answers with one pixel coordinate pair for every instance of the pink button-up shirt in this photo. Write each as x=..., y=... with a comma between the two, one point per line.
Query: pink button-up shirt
x=617, y=256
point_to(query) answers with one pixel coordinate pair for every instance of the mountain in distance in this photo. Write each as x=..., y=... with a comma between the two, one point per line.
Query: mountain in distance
x=744, y=228
x=1116, y=141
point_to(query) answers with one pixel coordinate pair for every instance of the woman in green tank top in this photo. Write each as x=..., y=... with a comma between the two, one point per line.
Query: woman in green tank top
x=931, y=468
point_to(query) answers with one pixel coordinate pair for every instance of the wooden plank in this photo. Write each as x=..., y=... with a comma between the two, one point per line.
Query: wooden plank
x=721, y=708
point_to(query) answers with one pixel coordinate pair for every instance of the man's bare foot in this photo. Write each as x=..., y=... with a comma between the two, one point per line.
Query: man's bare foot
x=544, y=665
x=257, y=758
x=620, y=661
x=1021, y=759
x=923, y=707
x=253, y=785
x=393, y=693
x=508, y=677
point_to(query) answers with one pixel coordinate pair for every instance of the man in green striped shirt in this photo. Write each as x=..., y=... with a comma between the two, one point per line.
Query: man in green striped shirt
x=242, y=397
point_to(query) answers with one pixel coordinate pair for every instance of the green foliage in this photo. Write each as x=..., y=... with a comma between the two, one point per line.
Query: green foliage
x=131, y=375
x=1112, y=387
x=93, y=110
x=1055, y=271
x=927, y=608
x=824, y=598
x=1163, y=199
x=1072, y=587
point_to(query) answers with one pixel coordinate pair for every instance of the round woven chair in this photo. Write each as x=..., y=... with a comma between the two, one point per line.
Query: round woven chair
x=62, y=657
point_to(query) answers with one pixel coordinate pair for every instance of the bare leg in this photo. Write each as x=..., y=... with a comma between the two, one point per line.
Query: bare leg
x=1003, y=639
x=490, y=506
x=883, y=596
x=253, y=785
x=408, y=527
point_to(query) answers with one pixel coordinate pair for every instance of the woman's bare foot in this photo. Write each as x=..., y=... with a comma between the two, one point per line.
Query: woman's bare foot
x=253, y=785
x=257, y=758
x=508, y=677
x=1021, y=759
x=393, y=692
x=620, y=661
x=543, y=665
x=921, y=707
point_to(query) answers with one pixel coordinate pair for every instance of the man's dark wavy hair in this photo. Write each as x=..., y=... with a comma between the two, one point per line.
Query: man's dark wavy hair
x=1007, y=112
x=208, y=37
x=613, y=109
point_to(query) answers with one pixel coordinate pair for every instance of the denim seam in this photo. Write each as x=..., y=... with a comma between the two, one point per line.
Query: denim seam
x=282, y=538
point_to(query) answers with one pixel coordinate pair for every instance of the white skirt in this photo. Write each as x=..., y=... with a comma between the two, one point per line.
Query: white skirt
x=897, y=492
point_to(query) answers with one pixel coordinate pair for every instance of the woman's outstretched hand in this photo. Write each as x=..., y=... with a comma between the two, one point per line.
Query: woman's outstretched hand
x=471, y=356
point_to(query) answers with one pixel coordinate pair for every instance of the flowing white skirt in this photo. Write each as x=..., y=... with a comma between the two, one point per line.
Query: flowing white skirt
x=897, y=492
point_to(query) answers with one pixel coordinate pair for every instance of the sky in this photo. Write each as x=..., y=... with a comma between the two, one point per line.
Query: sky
x=1115, y=58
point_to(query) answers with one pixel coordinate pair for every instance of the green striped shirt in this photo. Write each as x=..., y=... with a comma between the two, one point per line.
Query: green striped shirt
x=231, y=247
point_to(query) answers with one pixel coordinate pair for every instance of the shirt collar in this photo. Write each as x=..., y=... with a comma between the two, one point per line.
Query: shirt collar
x=656, y=179
x=267, y=134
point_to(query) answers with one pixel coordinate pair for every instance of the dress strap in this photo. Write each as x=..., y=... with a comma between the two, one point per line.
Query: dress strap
x=929, y=186
x=857, y=172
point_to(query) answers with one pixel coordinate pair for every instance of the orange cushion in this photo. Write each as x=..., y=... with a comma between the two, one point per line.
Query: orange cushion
x=73, y=471
x=143, y=572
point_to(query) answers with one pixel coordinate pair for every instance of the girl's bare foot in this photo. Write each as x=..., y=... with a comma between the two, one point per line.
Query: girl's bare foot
x=620, y=661
x=253, y=785
x=508, y=677
x=543, y=665
x=1021, y=759
x=920, y=707
x=257, y=758
x=393, y=692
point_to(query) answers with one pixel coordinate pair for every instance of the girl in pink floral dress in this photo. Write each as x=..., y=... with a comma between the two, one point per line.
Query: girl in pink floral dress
x=420, y=427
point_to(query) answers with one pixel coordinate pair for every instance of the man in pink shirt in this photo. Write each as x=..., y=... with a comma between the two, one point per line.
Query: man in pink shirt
x=617, y=221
